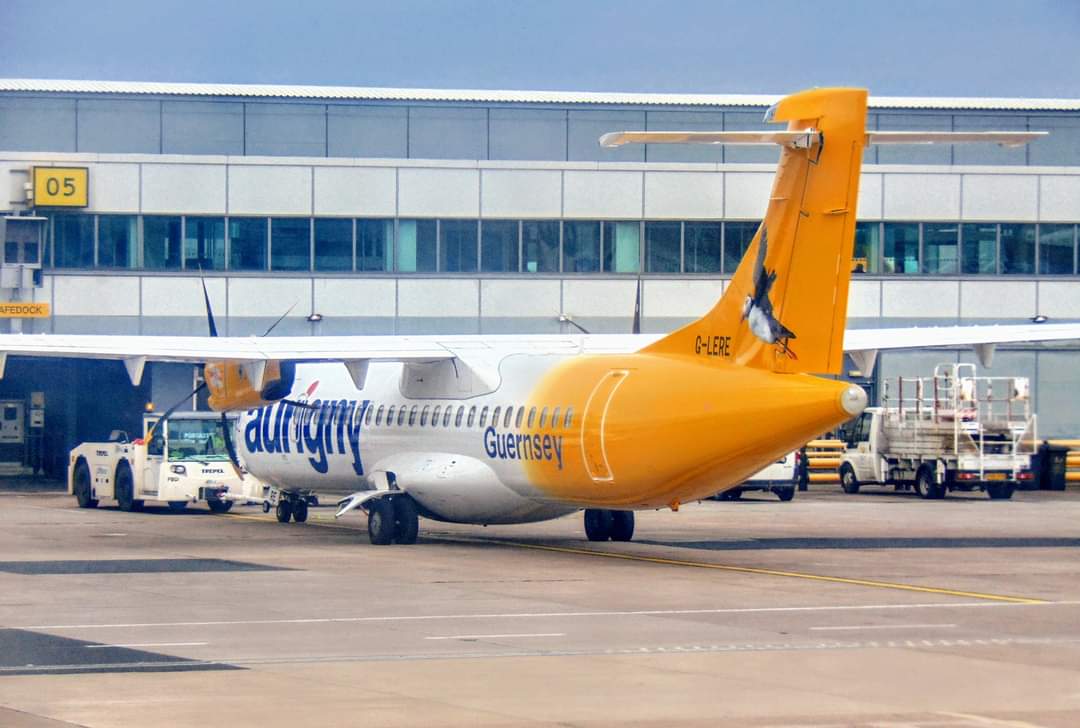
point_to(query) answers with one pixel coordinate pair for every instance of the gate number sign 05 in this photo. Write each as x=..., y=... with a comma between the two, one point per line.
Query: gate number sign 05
x=61, y=186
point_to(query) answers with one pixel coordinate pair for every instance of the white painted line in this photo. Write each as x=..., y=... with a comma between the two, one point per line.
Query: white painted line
x=149, y=644
x=548, y=615
x=887, y=626
x=494, y=636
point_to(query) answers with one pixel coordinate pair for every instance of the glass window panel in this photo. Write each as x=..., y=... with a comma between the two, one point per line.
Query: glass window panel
x=247, y=243
x=374, y=244
x=622, y=242
x=367, y=131
x=37, y=124
x=290, y=130
x=204, y=243
x=73, y=241
x=940, y=247
x=117, y=239
x=662, y=244
x=119, y=125
x=867, y=255
x=914, y=153
x=737, y=238
x=528, y=134
x=586, y=125
x=499, y=246
x=749, y=120
x=989, y=153
x=979, y=244
x=581, y=246
x=1056, y=249
x=202, y=127
x=901, y=247
x=441, y=132
x=457, y=246
x=685, y=121
x=540, y=246
x=416, y=246
x=11, y=252
x=290, y=243
x=161, y=242
x=333, y=244
x=702, y=243
x=1060, y=147
x=1018, y=248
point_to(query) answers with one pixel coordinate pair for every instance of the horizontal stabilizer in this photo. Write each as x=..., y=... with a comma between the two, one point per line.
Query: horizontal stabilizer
x=806, y=138
x=1004, y=138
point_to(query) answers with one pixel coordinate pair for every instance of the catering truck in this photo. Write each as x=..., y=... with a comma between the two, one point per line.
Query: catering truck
x=951, y=431
x=180, y=461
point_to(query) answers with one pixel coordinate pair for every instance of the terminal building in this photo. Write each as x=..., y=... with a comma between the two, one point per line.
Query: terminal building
x=408, y=211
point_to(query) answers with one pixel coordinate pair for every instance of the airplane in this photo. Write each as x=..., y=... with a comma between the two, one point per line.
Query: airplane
x=519, y=429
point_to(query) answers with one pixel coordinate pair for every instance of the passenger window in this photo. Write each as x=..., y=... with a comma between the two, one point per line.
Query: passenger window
x=543, y=417
x=378, y=415
x=446, y=416
x=435, y=415
x=412, y=416
x=423, y=415
x=472, y=417
x=532, y=416
x=569, y=417
x=401, y=416
x=390, y=416
x=494, y=417
x=370, y=414
x=460, y=416
x=554, y=419
x=520, y=417
x=509, y=416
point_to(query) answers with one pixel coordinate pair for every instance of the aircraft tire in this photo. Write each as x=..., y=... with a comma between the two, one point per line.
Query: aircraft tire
x=848, y=482
x=283, y=511
x=380, y=524
x=177, y=506
x=82, y=486
x=300, y=511
x=124, y=488
x=406, y=520
x=598, y=524
x=622, y=525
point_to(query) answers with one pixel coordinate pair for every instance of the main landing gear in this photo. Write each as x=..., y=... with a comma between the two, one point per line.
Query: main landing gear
x=393, y=519
x=601, y=525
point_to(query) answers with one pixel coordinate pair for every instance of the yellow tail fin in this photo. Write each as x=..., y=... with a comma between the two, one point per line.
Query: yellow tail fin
x=786, y=304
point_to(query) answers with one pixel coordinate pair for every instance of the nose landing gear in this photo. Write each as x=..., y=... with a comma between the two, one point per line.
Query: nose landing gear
x=601, y=525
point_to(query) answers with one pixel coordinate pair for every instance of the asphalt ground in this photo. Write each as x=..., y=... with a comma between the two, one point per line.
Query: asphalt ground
x=877, y=609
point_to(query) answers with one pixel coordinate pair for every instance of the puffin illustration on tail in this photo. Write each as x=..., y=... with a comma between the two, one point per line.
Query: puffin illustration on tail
x=758, y=309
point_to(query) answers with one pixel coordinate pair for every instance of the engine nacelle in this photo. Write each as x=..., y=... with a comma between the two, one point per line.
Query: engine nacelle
x=231, y=387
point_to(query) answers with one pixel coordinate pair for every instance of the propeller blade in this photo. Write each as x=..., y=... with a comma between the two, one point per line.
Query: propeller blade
x=209, y=310
x=636, y=329
x=280, y=319
x=302, y=405
x=230, y=448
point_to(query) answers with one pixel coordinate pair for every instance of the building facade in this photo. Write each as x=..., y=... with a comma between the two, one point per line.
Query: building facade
x=409, y=211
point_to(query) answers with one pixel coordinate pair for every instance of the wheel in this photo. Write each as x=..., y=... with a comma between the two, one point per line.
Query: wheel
x=83, y=492
x=124, y=488
x=406, y=520
x=848, y=481
x=598, y=524
x=925, y=485
x=380, y=522
x=266, y=506
x=622, y=525
x=1000, y=491
x=283, y=511
x=299, y=511
x=785, y=493
x=177, y=506
x=219, y=506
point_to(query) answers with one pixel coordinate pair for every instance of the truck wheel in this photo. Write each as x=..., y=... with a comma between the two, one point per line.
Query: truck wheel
x=848, y=481
x=124, y=488
x=177, y=506
x=82, y=488
x=1000, y=491
x=925, y=485
x=216, y=505
x=785, y=493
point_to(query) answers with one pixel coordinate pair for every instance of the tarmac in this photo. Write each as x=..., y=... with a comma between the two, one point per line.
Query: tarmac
x=876, y=609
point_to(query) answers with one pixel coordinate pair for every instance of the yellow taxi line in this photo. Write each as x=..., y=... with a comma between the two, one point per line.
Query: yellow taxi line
x=705, y=565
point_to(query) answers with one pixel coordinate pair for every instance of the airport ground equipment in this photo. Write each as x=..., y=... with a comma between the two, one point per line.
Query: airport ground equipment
x=780, y=478
x=1072, y=459
x=181, y=461
x=951, y=431
x=823, y=460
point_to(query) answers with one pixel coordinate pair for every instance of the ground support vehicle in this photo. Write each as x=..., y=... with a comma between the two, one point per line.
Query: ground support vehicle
x=781, y=478
x=181, y=461
x=951, y=431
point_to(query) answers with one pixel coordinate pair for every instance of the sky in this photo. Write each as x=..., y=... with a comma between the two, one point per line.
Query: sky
x=1028, y=48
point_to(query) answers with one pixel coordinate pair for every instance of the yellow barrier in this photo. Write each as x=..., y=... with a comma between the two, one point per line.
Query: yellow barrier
x=818, y=463
x=825, y=476
x=1071, y=444
x=825, y=445
x=1072, y=476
